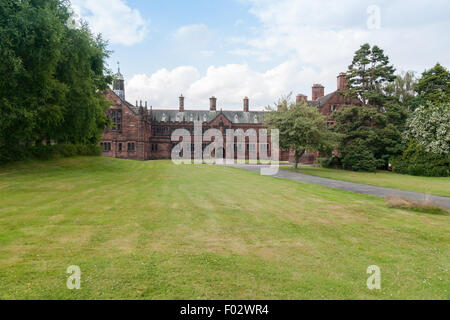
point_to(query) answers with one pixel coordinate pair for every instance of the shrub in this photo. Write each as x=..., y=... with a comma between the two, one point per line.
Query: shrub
x=416, y=161
x=45, y=152
x=66, y=150
x=359, y=158
x=332, y=163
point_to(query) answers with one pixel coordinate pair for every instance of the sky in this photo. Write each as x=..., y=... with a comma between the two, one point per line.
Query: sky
x=263, y=49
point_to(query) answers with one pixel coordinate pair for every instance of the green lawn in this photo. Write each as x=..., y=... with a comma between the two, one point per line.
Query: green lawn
x=429, y=185
x=152, y=230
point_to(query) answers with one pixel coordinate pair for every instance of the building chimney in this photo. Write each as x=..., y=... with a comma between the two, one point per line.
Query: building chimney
x=213, y=104
x=181, y=103
x=342, y=81
x=318, y=91
x=246, y=105
x=301, y=97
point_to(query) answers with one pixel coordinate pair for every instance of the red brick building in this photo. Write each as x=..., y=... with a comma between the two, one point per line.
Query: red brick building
x=143, y=133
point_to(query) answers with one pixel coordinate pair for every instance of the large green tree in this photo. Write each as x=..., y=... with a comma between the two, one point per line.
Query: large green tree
x=51, y=75
x=302, y=128
x=368, y=75
x=434, y=85
x=369, y=137
x=372, y=134
x=403, y=89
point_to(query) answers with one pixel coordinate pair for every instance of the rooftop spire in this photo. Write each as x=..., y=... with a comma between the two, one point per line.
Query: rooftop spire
x=119, y=83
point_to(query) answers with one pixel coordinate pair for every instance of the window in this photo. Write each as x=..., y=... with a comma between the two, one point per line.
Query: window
x=154, y=148
x=131, y=147
x=263, y=147
x=116, y=116
x=106, y=146
x=120, y=147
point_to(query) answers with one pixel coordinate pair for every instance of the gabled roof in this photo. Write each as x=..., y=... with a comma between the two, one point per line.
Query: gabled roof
x=174, y=115
x=321, y=101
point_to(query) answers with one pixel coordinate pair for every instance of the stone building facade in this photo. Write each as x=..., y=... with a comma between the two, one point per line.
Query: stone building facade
x=142, y=133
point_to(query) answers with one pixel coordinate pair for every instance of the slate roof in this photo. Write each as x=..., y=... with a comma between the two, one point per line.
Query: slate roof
x=235, y=117
x=321, y=101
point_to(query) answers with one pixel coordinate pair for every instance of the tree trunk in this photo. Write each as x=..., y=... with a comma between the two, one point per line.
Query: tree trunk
x=298, y=155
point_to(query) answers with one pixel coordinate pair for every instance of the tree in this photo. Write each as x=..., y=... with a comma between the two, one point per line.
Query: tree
x=434, y=86
x=302, y=128
x=368, y=75
x=51, y=76
x=403, y=88
x=429, y=126
x=369, y=137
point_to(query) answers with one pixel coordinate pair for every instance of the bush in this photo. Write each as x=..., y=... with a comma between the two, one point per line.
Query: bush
x=416, y=170
x=359, y=158
x=332, y=163
x=44, y=152
x=66, y=150
x=416, y=161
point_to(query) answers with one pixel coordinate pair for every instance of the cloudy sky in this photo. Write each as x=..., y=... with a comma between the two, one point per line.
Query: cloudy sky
x=258, y=48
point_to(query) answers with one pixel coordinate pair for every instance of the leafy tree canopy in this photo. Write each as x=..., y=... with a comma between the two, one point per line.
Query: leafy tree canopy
x=367, y=131
x=302, y=128
x=51, y=75
x=429, y=126
x=434, y=86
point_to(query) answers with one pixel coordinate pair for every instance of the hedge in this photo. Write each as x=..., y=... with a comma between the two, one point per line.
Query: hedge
x=48, y=152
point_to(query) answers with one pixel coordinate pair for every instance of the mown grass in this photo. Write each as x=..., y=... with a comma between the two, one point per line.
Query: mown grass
x=152, y=230
x=428, y=185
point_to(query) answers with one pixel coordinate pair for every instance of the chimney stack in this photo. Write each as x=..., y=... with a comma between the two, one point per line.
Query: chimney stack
x=246, y=105
x=342, y=82
x=181, y=103
x=301, y=97
x=318, y=91
x=213, y=104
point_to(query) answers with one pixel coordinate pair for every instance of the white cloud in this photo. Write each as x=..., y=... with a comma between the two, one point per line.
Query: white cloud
x=323, y=35
x=306, y=42
x=163, y=87
x=327, y=33
x=230, y=84
x=114, y=19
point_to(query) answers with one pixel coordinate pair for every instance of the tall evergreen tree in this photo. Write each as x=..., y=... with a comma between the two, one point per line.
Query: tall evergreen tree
x=369, y=72
x=434, y=85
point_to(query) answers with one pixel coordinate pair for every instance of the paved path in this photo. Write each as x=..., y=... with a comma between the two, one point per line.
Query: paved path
x=355, y=187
